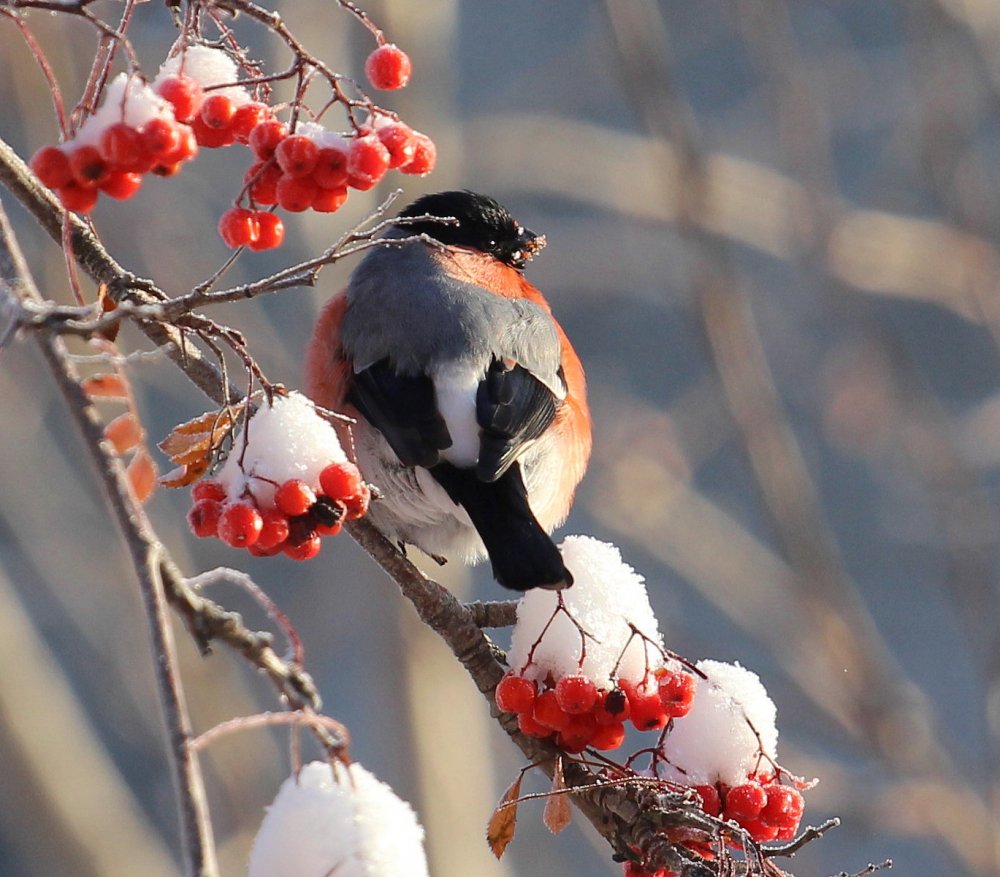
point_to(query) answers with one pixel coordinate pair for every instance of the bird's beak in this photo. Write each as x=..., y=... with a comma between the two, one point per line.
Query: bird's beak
x=532, y=244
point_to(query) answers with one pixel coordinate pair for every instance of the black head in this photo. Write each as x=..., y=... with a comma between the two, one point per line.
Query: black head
x=483, y=224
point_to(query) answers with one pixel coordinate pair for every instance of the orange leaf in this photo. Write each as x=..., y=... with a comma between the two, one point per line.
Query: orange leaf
x=141, y=472
x=106, y=386
x=557, y=814
x=182, y=476
x=124, y=432
x=108, y=304
x=193, y=444
x=500, y=830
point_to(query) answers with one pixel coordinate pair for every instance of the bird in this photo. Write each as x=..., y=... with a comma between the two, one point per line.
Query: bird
x=469, y=399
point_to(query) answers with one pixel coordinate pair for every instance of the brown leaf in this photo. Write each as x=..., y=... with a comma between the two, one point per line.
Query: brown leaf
x=182, y=476
x=105, y=386
x=557, y=814
x=124, y=432
x=193, y=444
x=141, y=472
x=108, y=304
x=500, y=830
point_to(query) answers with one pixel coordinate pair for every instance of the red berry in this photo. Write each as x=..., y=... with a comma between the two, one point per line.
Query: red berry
x=296, y=194
x=88, y=166
x=548, y=712
x=121, y=147
x=711, y=801
x=186, y=148
x=82, y=199
x=238, y=227
x=340, y=480
x=646, y=711
x=357, y=505
x=203, y=517
x=784, y=806
x=217, y=111
x=367, y=162
x=294, y=497
x=612, y=707
x=608, y=736
x=515, y=694
x=208, y=488
x=760, y=831
x=240, y=524
x=576, y=694
x=121, y=185
x=51, y=166
x=256, y=551
x=297, y=155
x=208, y=136
x=262, y=178
x=273, y=531
x=160, y=137
x=330, y=171
x=397, y=137
x=304, y=549
x=745, y=802
x=529, y=726
x=329, y=529
x=576, y=736
x=424, y=156
x=265, y=137
x=184, y=93
x=271, y=231
x=677, y=693
x=166, y=170
x=246, y=118
x=329, y=200
x=388, y=67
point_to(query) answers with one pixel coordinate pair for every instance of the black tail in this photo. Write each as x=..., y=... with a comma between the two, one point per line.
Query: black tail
x=522, y=554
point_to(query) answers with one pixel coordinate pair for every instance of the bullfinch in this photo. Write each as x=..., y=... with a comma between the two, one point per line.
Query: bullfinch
x=470, y=401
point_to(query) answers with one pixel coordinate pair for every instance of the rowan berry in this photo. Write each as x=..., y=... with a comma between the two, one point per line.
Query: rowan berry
x=274, y=530
x=183, y=93
x=304, y=549
x=784, y=806
x=608, y=736
x=208, y=488
x=330, y=171
x=296, y=194
x=265, y=137
x=88, y=166
x=297, y=155
x=238, y=227
x=121, y=147
x=548, y=712
x=357, y=505
x=51, y=166
x=121, y=185
x=340, y=480
x=576, y=694
x=676, y=691
x=294, y=497
x=745, y=802
x=262, y=180
x=246, y=118
x=397, y=138
x=515, y=694
x=711, y=801
x=240, y=524
x=367, y=162
x=271, y=231
x=82, y=199
x=203, y=517
x=527, y=725
x=388, y=67
x=209, y=136
x=217, y=111
x=160, y=137
x=424, y=156
x=329, y=200
x=612, y=707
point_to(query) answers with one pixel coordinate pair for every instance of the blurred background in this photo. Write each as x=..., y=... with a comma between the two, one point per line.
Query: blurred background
x=773, y=232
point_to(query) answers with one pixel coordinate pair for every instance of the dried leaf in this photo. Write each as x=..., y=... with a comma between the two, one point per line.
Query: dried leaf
x=193, y=444
x=182, y=476
x=141, y=472
x=557, y=814
x=104, y=386
x=500, y=830
x=124, y=432
x=108, y=304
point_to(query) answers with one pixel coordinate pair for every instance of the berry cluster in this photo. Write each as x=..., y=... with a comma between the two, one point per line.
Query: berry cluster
x=764, y=807
x=294, y=525
x=579, y=714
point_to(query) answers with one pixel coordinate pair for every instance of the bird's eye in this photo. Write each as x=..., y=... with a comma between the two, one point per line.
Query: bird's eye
x=493, y=243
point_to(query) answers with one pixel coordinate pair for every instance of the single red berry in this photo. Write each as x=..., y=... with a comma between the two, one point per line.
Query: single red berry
x=424, y=156
x=340, y=480
x=329, y=200
x=646, y=711
x=760, y=831
x=576, y=694
x=246, y=118
x=208, y=488
x=527, y=725
x=121, y=147
x=784, y=806
x=160, y=137
x=271, y=231
x=217, y=111
x=274, y=530
x=367, y=162
x=304, y=549
x=611, y=707
x=82, y=199
x=294, y=497
x=51, y=166
x=745, y=802
x=330, y=171
x=262, y=179
x=238, y=227
x=397, y=137
x=576, y=736
x=711, y=801
x=357, y=505
x=515, y=694
x=677, y=693
x=608, y=737
x=329, y=529
x=296, y=194
x=121, y=185
x=388, y=67
x=256, y=551
x=297, y=155
x=89, y=168
x=548, y=712
x=265, y=137
x=184, y=93
x=186, y=148
x=240, y=524
x=208, y=136
x=203, y=517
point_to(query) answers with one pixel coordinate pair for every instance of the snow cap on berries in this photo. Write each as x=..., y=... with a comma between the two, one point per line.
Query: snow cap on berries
x=716, y=740
x=208, y=67
x=126, y=99
x=341, y=821
x=288, y=439
x=607, y=595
